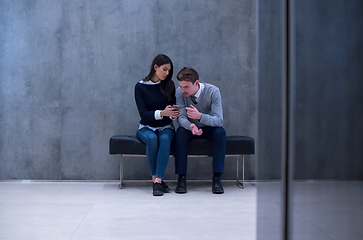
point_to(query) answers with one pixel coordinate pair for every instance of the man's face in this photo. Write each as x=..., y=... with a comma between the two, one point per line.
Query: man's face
x=188, y=89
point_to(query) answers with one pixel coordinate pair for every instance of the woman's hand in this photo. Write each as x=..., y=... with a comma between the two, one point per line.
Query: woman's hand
x=170, y=111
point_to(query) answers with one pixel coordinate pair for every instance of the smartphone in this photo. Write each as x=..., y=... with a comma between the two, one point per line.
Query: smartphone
x=176, y=106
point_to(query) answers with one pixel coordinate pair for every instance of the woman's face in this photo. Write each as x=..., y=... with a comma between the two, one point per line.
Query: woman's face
x=162, y=71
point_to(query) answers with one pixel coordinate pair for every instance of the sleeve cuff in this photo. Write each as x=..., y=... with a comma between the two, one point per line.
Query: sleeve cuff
x=157, y=115
x=201, y=118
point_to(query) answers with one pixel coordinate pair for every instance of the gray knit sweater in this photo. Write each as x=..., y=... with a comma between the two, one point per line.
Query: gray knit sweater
x=209, y=104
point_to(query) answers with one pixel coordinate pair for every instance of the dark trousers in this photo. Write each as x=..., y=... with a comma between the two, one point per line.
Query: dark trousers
x=216, y=135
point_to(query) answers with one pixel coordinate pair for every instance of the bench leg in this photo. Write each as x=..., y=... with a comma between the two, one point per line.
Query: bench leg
x=243, y=171
x=241, y=183
x=121, y=171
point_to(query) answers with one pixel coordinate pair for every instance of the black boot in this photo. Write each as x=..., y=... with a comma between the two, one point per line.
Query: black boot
x=166, y=189
x=157, y=189
x=182, y=184
x=217, y=185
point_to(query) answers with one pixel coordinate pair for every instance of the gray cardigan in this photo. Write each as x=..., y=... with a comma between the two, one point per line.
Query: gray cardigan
x=209, y=104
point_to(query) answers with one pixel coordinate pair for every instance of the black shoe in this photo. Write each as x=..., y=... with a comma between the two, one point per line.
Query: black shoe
x=182, y=184
x=217, y=185
x=165, y=187
x=157, y=189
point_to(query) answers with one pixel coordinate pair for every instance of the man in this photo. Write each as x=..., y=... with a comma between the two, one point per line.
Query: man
x=201, y=116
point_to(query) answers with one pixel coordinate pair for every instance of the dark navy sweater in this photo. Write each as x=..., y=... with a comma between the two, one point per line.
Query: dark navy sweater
x=148, y=99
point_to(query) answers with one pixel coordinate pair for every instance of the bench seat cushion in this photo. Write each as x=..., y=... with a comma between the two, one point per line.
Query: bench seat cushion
x=236, y=145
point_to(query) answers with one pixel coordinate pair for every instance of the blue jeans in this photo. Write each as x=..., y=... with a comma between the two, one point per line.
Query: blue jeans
x=157, y=148
x=216, y=135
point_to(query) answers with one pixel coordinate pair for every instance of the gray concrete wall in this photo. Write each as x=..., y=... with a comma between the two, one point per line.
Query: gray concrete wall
x=68, y=70
x=329, y=85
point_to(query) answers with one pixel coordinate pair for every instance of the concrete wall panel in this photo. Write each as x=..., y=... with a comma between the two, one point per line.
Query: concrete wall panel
x=68, y=71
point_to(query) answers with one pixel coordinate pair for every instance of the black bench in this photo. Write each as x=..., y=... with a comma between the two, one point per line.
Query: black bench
x=237, y=146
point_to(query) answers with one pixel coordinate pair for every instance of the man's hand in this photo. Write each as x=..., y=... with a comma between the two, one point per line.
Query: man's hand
x=195, y=130
x=193, y=113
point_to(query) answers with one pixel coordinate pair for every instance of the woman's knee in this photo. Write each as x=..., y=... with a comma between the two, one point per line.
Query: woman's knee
x=166, y=136
x=147, y=136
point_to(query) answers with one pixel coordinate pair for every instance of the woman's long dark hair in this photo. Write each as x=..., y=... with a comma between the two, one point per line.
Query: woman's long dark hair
x=166, y=85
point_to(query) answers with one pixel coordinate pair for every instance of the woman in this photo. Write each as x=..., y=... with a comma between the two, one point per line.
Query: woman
x=154, y=96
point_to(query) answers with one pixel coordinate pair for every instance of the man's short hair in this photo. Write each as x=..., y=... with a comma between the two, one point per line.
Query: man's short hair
x=188, y=74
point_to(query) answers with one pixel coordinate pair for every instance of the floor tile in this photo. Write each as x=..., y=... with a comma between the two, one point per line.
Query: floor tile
x=99, y=210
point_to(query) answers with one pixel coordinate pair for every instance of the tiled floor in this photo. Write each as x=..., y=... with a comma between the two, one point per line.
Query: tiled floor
x=99, y=210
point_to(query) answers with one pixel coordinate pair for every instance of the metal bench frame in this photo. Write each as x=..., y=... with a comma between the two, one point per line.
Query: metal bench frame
x=239, y=183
